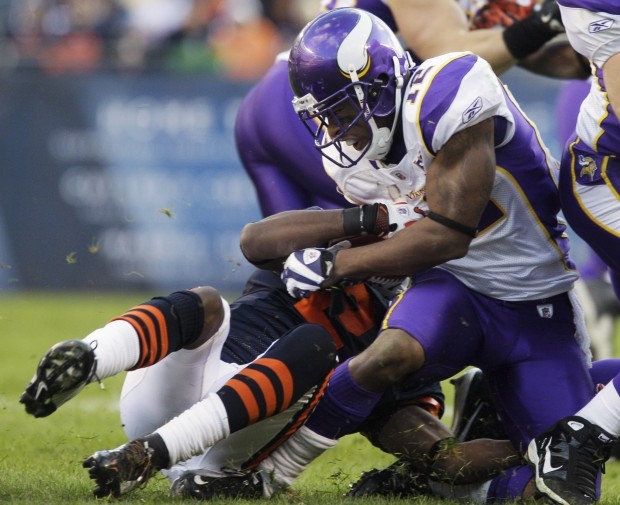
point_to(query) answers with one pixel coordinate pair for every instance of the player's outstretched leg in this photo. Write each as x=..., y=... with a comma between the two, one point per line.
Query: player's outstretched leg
x=567, y=460
x=118, y=471
x=144, y=335
x=61, y=374
x=229, y=483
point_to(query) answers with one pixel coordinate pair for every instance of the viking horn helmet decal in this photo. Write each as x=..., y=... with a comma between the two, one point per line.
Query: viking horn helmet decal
x=352, y=51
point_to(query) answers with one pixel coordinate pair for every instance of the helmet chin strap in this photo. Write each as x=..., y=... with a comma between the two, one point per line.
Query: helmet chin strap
x=382, y=137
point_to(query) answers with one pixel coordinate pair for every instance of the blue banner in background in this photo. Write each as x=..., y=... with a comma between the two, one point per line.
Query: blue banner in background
x=133, y=182
x=124, y=182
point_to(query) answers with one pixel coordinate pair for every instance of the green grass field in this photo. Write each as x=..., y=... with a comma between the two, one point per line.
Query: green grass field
x=40, y=459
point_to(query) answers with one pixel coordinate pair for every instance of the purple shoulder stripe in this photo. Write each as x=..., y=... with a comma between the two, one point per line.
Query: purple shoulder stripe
x=592, y=5
x=441, y=93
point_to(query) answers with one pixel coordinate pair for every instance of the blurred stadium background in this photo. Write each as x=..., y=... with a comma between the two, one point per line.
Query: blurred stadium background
x=119, y=175
x=119, y=170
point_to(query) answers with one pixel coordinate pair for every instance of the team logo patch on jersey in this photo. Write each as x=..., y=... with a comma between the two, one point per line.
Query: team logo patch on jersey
x=588, y=166
x=310, y=256
x=472, y=111
x=545, y=311
x=600, y=25
x=416, y=195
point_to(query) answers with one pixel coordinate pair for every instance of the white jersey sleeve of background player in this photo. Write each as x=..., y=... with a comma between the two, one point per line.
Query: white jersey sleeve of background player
x=595, y=35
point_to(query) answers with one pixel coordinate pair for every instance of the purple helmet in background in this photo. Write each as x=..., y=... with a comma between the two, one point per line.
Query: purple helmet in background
x=377, y=7
x=348, y=55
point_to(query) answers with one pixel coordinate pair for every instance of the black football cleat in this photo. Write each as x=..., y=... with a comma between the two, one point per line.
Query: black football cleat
x=121, y=470
x=399, y=480
x=567, y=460
x=474, y=413
x=207, y=485
x=61, y=374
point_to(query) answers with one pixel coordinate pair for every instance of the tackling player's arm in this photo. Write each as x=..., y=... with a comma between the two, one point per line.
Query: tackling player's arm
x=524, y=41
x=459, y=184
x=267, y=242
x=437, y=27
x=557, y=59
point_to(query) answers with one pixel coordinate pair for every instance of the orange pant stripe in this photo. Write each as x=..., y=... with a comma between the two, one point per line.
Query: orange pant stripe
x=247, y=397
x=285, y=376
x=266, y=387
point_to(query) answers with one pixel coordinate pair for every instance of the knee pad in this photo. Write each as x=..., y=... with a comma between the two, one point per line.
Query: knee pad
x=187, y=309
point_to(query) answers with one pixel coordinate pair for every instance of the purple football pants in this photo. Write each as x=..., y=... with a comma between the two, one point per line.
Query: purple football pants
x=527, y=350
x=604, y=240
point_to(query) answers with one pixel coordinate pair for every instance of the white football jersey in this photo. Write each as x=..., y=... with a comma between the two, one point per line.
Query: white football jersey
x=521, y=251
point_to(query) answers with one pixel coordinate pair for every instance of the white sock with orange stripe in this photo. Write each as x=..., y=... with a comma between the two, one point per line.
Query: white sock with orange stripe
x=196, y=429
x=116, y=346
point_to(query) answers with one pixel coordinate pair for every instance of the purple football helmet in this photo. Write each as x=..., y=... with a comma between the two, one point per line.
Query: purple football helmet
x=348, y=56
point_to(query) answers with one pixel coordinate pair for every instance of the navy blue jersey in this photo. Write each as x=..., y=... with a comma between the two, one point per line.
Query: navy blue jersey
x=352, y=315
x=265, y=312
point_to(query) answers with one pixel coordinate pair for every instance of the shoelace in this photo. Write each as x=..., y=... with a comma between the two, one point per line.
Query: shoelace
x=135, y=462
x=590, y=459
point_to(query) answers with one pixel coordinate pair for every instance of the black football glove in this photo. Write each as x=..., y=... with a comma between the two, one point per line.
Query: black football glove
x=528, y=35
x=548, y=15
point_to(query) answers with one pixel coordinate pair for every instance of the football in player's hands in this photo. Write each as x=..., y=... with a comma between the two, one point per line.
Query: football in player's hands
x=356, y=240
x=397, y=216
x=402, y=215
